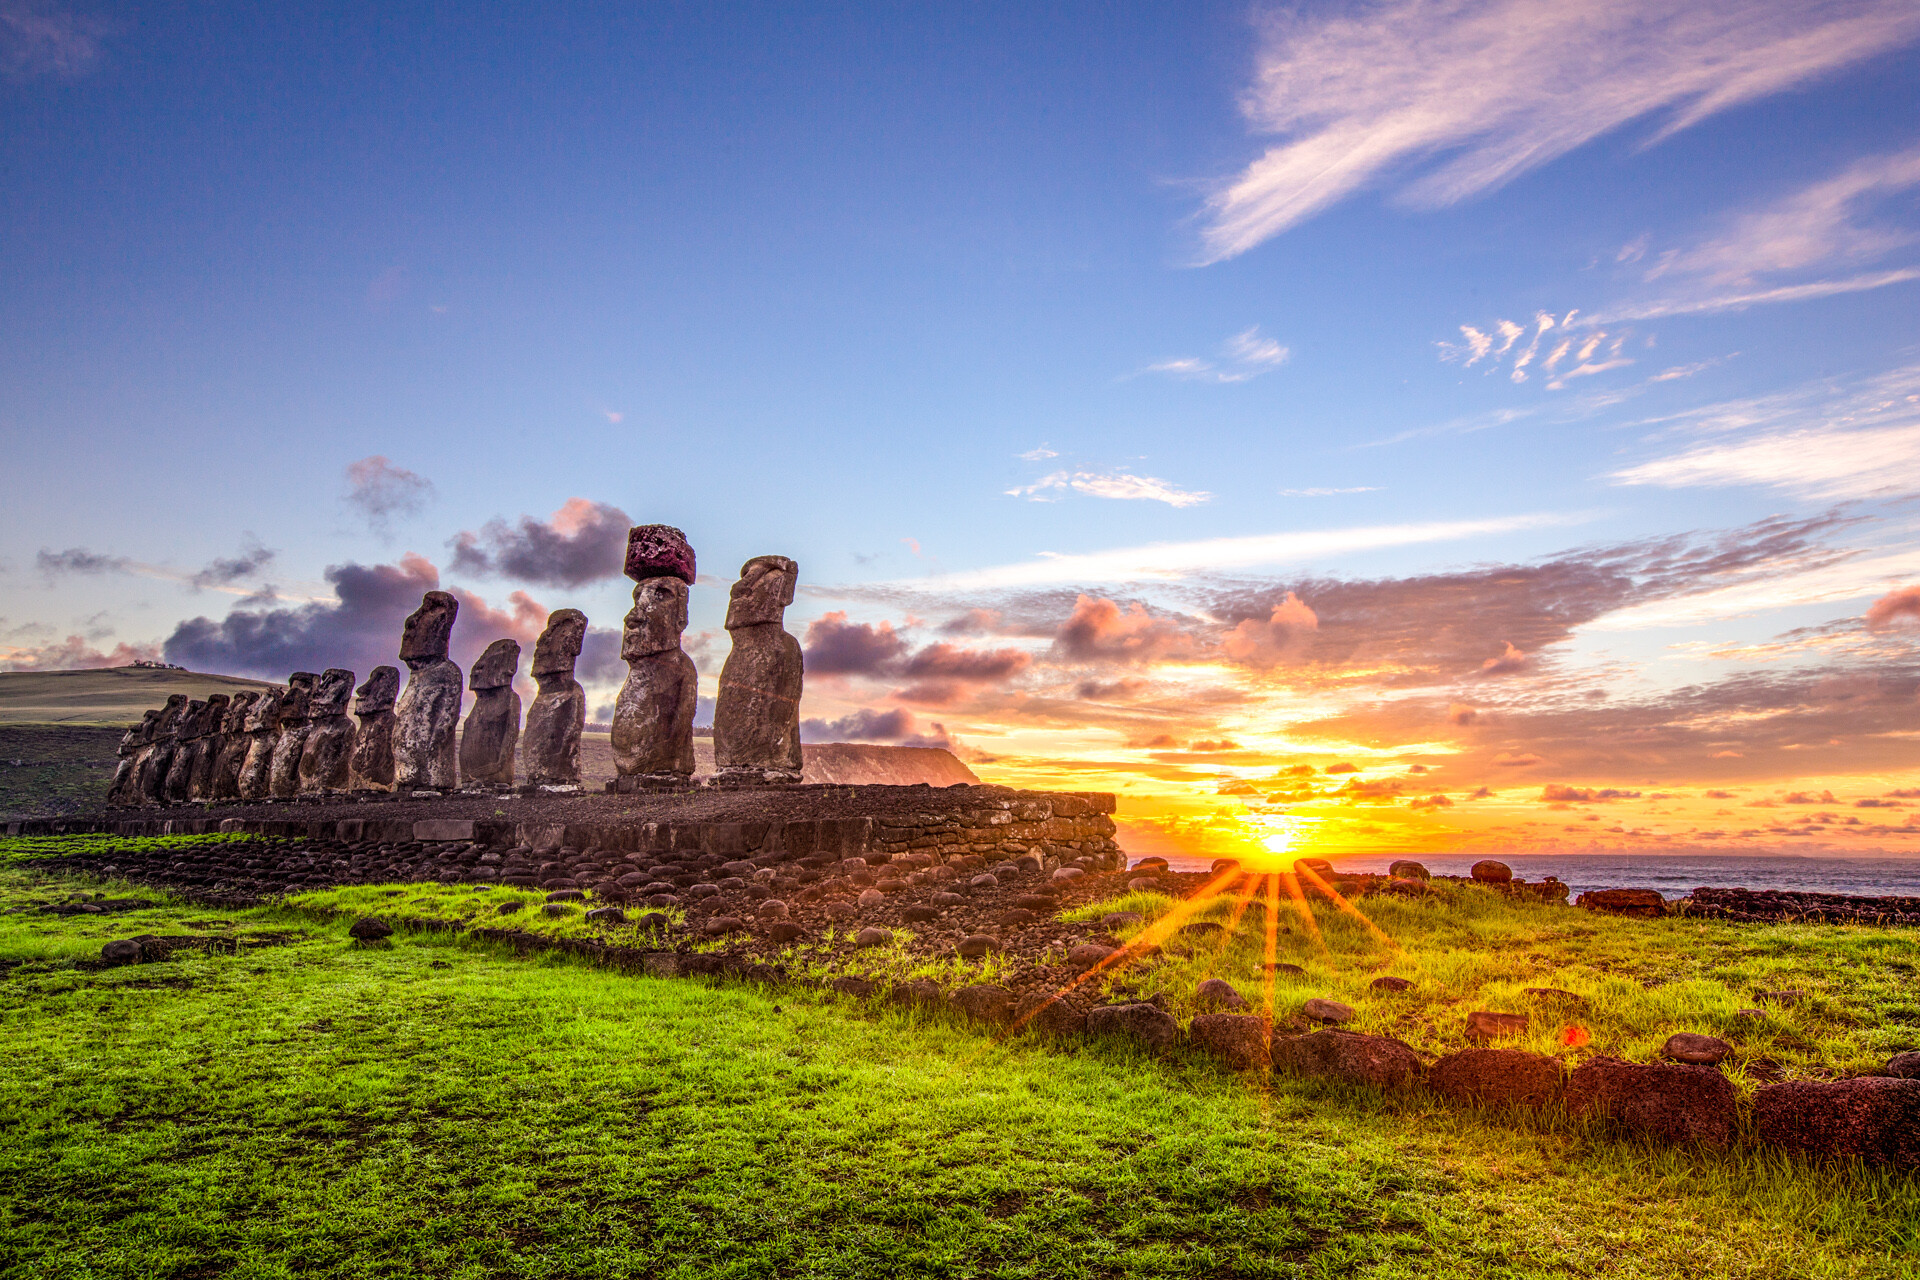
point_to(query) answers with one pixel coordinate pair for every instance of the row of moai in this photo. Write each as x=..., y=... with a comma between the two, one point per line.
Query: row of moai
x=297, y=741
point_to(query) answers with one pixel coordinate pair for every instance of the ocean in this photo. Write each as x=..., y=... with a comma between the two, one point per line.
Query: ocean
x=1674, y=875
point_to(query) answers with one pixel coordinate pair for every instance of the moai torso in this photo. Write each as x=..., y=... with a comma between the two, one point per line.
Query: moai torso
x=756, y=722
x=329, y=745
x=550, y=746
x=262, y=726
x=371, y=768
x=206, y=748
x=493, y=726
x=290, y=735
x=426, y=719
x=653, y=715
x=159, y=758
x=232, y=752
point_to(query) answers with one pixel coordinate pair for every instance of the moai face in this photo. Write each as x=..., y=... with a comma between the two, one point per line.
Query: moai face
x=237, y=711
x=658, y=616
x=764, y=591
x=194, y=723
x=264, y=714
x=496, y=667
x=559, y=645
x=428, y=630
x=378, y=693
x=214, y=719
x=149, y=724
x=294, y=706
x=658, y=551
x=330, y=693
x=170, y=716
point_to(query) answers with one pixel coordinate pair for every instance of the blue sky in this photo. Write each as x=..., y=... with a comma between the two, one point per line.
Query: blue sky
x=960, y=307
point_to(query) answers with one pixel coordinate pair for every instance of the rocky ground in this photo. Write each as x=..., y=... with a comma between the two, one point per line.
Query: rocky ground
x=1780, y=904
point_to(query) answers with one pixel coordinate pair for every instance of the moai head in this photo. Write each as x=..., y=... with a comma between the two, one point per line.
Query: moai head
x=558, y=647
x=495, y=668
x=171, y=715
x=194, y=723
x=764, y=591
x=658, y=616
x=214, y=718
x=428, y=629
x=264, y=714
x=378, y=693
x=294, y=706
x=330, y=693
x=235, y=721
x=149, y=724
x=658, y=551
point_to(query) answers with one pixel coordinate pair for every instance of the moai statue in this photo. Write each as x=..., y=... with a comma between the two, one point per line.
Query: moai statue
x=653, y=716
x=290, y=736
x=256, y=767
x=207, y=749
x=550, y=748
x=186, y=746
x=371, y=768
x=329, y=745
x=127, y=772
x=426, y=720
x=492, y=730
x=159, y=760
x=756, y=722
x=232, y=753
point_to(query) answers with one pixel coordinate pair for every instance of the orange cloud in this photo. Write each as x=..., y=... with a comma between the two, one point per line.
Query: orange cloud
x=1895, y=605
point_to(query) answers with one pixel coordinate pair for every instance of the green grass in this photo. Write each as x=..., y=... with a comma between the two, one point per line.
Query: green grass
x=437, y=1106
x=1470, y=948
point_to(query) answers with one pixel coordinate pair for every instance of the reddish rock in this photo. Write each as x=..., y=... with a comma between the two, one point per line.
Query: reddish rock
x=1219, y=993
x=1049, y=1015
x=873, y=937
x=1663, y=1101
x=785, y=931
x=1496, y=1078
x=1487, y=871
x=1390, y=985
x=986, y=1002
x=1876, y=1118
x=860, y=988
x=1328, y=1011
x=1377, y=1061
x=1142, y=1023
x=975, y=945
x=1482, y=1025
x=1237, y=1039
x=1088, y=954
x=1699, y=1050
x=1645, y=903
x=1905, y=1066
x=659, y=551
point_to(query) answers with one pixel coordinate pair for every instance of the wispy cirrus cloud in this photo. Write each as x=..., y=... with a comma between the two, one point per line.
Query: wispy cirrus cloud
x=1505, y=86
x=1244, y=356
x=1110, y=484
x=1549, y=339
x=39, y=39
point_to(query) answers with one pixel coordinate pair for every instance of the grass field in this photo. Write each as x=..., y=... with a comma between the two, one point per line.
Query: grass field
x=288, y=1102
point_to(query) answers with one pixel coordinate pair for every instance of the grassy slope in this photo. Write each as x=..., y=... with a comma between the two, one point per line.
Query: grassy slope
x=55, y=769
x=438, y=1107
x=113, y=697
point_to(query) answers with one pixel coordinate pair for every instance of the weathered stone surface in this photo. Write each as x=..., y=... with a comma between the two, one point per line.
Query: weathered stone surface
x=426, y=719
x=756, y=720
x=1496, y=1078
x=1218, y=993
x=1905, y=1066
x=1663, y=1101
x=256, y=768
x=1237, y=1039
x=659, y=551
x=1047, y=1014
x=873, y=936
x=1407, y=869
x=327, y=757
x=550, y=747
x=158, y=760
x=206, y=748
x=1144, y=1024
x=121, y=951
x=975, y=945
x=986, y=1002
x=290, y=735
x=1487, y=871
x=1699, y=1050
x=1484, y=1025
x=124, y=789
x=1331, y=1012
x=369, y=929
x=1646, y=903
x=370, y=768
x=1390, y=985
x=1876, y=1118
x=653, y=714
x=1377, y=1061
x=440, y=829
x=231, y=755
x=1089, y=954
x=188, y=742
x=492, y=730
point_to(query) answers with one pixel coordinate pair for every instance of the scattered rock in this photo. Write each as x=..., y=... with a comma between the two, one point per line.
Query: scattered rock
x=945, y=899
x=1150, y=864
x=1225, y=864
x=922, y=994
x=1390, y=985
x=1237, y=1039
x=1408, y=887
x=1876, y=1118
x=1064, y=874
x=873, y=937
x=848, y=985
x=1220, y=994
x=1049, y=1015
x=1482, y=1025
x=1645, y=903
x=510, y=908
x=557, y=909
x=1143, y=884
x=1203, y=928
x=871, y=897
x=1659, y=1100
x=1407, y=869
x=1143, y=1023
x=1288, y=972
x=1087, y=955
x=986, y=1002
x=975, y=945
x=985, y=880
x=1904, y=1066
x=838, y=911
x=1552, y=995
x=1496, y=1078
x=654, y=920
x=1038, y=902
x=1699, y=1050
x=920, y=915
x=1018, y=917
x=1788, y=996
x=773, y=909
x=369, y=929
x=1487, y=871
x=1376, y=1061
x=722, y=925
x=785, y=931
x=1331, y=1012
x=606, y=915
x=1120, y=920
x=121, y=951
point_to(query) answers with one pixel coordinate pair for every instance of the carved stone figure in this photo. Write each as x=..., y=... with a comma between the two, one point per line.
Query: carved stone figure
x=126, y=774
x=232, y=752
x=493, y=726
x=186, y=746
x=159, y=757
x=550, y=748
x=290, y=735
x=426, y=720
x=653, y=715
x=371, y=768
x=206, y=747
x=262, y=729
x=756, y=723
x=329, y=745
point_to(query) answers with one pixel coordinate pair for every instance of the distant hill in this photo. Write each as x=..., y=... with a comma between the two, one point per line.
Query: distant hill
x=112, y=697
